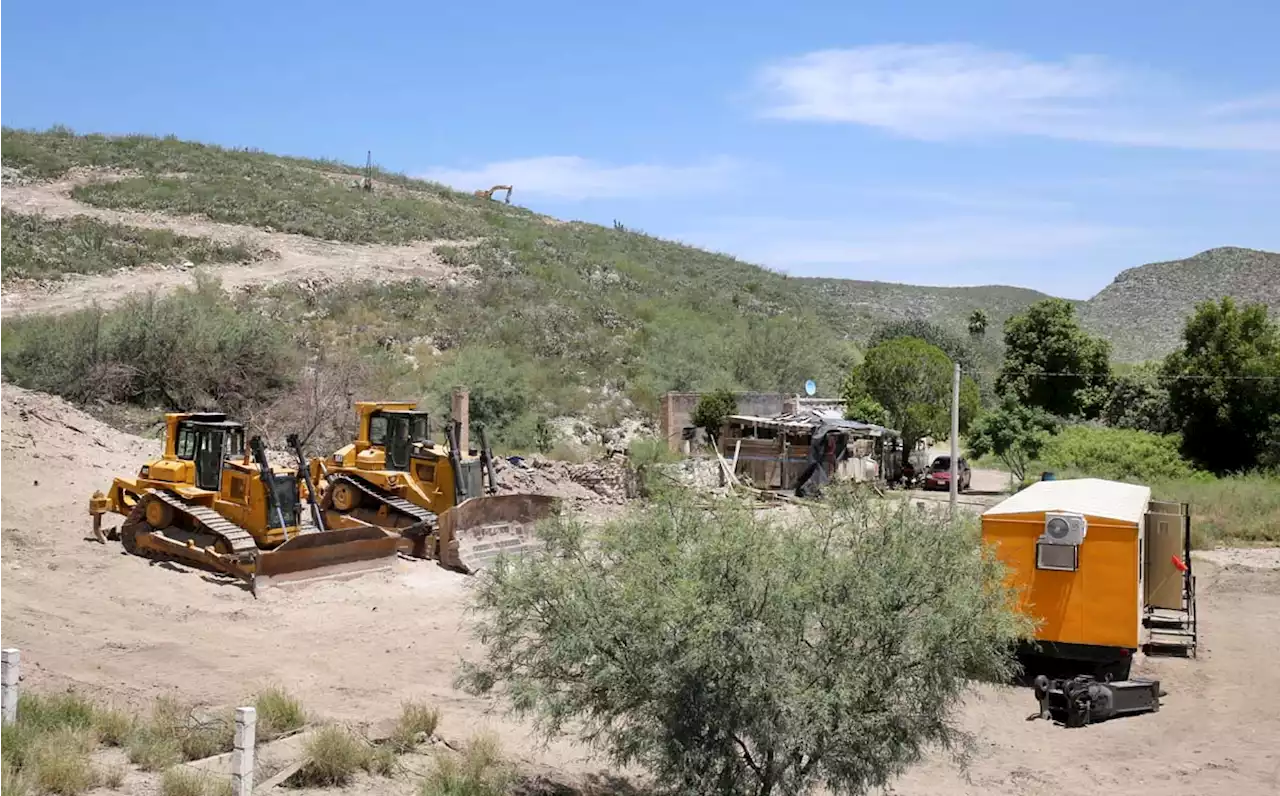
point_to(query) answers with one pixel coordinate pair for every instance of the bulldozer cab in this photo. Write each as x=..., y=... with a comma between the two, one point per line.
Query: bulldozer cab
x=399, y=432
x=208, y=440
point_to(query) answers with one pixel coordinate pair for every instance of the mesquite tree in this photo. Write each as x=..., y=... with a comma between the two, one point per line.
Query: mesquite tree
x=728, y=654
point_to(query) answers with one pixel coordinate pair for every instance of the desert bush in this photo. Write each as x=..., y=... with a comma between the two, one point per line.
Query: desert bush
x=478, y=771
x=195, y=349
x=1116, y=454
x=417, y=722
x=278, y=713
x=36, y=247
x=334, y=755
x=500, y=394
x=728, y=654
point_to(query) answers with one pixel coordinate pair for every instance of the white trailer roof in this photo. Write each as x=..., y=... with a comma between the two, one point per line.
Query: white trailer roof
x=1092, y=496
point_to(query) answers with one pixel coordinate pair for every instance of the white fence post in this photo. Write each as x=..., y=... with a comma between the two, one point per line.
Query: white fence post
x=242, y=754
x=9, y=660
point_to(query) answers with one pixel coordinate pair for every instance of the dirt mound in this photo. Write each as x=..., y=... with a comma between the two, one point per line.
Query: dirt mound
x=53, y=451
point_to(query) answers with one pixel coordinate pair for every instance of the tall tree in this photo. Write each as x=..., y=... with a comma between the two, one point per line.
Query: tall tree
x=1016, y=433
x=1139, y=400
x=1224, y=385
x=953, y=345
x=977, y=323
x=1050, y=362
x=911, y=380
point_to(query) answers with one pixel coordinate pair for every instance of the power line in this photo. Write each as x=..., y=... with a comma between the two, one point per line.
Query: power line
x=1157, y=377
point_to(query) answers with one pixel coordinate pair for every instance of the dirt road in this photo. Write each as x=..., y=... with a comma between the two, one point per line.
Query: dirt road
x=296, y=258
x=88, y=615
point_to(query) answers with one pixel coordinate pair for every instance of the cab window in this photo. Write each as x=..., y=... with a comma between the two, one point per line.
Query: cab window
x=186, y=448
x=378, y=430
x=418, y=428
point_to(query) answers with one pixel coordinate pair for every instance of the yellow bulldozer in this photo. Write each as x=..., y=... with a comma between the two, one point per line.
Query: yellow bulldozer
x=434, y=496
x=208, y=502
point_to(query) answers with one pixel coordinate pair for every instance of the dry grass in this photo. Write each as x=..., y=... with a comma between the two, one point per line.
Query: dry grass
x=416, y=724
x=278, y=713
x=334, y=755
x=14, y=782
x=478, y=771
x=190, y=782
x=175, y=732
x=113, y=777
x=113, y=727
x=58, y=761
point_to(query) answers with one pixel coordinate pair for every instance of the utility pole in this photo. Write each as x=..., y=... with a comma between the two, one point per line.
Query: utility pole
x=955, y=437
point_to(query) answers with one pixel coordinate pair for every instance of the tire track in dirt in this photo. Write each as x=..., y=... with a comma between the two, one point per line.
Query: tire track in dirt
x=294, y=258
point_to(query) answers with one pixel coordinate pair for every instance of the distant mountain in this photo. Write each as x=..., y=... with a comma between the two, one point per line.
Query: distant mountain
x=868, y=304
x=1143, y=311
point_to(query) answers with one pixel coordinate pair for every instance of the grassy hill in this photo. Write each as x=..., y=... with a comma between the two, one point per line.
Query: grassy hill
x=550, y=318
x=1143, y=311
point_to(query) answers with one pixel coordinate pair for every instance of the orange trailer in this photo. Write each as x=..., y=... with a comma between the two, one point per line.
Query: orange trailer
x=1087, y=567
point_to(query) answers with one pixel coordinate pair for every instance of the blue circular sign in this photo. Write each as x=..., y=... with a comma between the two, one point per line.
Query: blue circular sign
x=810, y=388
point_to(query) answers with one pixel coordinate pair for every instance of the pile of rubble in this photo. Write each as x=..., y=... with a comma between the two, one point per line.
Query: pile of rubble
x=578, y=484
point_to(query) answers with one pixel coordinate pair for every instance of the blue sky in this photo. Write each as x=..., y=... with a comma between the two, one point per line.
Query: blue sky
x=1044, y=144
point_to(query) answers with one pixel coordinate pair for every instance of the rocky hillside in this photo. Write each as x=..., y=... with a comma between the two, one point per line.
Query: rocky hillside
x=1143, y=311
x=320, y=288
x=870, y=303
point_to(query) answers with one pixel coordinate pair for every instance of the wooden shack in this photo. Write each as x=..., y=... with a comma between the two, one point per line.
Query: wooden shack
x=773, y=452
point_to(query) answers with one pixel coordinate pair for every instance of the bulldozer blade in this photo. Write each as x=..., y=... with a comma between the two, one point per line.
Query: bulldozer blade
x=476, y=531
x=326, y=554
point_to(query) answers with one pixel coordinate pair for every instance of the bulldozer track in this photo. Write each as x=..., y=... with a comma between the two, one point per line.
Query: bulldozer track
x=210, y=521
x=419, y=514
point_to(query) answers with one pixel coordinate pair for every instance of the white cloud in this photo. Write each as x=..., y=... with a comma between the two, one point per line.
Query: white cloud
x=575, y=178
x=950, y=91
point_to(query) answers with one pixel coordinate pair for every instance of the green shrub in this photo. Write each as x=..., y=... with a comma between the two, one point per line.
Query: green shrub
x=278, y=713
x=839, y=645
x=1116, y=454
x=195, y=349
x=713, y=408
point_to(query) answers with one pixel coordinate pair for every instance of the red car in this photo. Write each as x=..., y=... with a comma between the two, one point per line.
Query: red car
x=939, y=474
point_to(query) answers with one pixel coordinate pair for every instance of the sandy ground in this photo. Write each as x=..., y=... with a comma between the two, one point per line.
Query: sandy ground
x=89, y=616
x=297, y=258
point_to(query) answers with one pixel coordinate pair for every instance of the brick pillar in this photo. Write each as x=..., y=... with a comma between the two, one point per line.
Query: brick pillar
x=461, y=412
x=666, y=423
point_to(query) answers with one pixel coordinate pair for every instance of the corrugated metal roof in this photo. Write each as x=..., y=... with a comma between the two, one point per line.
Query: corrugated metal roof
x=810, y=419
x=1093, y=496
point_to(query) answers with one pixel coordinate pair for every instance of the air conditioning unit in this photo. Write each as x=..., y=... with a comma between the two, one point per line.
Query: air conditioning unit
x=1064, y=528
